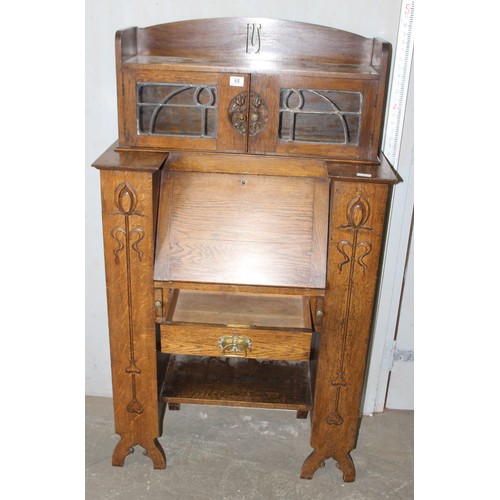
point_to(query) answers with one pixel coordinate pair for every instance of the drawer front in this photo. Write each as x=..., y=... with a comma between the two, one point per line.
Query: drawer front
x=207, y=340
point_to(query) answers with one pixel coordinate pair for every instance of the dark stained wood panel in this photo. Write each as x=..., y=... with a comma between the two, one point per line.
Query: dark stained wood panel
x=242, y=229
x=237, y=382
x=274, y=39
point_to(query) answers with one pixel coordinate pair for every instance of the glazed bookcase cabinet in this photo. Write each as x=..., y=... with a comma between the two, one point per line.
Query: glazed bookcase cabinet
x=244, y=207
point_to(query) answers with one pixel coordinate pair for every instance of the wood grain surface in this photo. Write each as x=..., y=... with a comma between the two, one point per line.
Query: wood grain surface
x=268, y=224
x=255, y=230
x=237, y=382
x=222, y=308
x=203, y=340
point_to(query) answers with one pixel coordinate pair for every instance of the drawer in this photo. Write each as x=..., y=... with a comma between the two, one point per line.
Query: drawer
x=258, y=326
x=229, y=341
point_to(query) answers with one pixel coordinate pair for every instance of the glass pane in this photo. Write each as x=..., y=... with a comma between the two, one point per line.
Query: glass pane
x=172, y=109
x=328, y=116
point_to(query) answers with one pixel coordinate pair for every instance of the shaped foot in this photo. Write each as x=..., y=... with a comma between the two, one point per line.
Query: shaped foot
x=155, y=452
x=124, y=448
x=152, y=449
x=346, y=465
x=316, y=460
x=311, y=464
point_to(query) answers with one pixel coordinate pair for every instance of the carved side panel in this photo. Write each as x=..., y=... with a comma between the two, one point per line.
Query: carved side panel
x=353, y=250
x=128, y=230
x=357, y=220
x=127, y=248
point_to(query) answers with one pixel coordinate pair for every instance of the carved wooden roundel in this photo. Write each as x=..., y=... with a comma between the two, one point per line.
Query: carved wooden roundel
x=243, y=119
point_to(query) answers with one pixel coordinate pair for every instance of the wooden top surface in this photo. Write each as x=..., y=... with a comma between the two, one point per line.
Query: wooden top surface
x=381, y=173
x=144, y=161
x=291, y=67
x=115, y=158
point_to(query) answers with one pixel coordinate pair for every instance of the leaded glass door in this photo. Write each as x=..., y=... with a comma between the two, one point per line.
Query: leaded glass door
x=320, y=116
x=185, y=110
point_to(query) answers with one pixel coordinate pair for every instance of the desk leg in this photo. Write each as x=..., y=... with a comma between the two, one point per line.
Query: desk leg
x=128, y=229
x=357, y=221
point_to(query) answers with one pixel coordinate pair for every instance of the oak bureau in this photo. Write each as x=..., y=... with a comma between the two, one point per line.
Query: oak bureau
x=244, y=208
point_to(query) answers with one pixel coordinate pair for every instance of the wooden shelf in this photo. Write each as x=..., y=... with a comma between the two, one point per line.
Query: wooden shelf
x=295, y=66
x=237, y=382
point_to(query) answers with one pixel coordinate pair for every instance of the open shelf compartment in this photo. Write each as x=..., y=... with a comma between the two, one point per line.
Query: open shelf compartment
x=237, y=382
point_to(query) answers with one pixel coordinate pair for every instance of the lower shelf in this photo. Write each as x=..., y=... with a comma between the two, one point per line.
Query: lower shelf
x=237, y=382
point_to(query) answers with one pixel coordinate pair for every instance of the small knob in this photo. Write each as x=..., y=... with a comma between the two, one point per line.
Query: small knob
x=158, y=304
x=319, y=314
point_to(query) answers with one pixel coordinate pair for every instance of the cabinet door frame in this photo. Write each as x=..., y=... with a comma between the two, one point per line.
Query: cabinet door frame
x=226, y=138
x=268, y=141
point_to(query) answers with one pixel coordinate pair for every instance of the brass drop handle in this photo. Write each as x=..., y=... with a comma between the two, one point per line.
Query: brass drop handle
x=234, y=346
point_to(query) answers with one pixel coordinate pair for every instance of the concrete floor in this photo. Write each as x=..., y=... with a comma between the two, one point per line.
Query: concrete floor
x=240, y=453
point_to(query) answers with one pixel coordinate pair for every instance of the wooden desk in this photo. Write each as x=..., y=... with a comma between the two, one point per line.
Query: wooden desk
x=244, y=208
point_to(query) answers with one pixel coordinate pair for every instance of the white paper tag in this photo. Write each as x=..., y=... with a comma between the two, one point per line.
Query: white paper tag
x=236, y=81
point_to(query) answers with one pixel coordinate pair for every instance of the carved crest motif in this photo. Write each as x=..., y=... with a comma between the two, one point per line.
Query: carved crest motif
x=358, y=212
x=126, y=199
x=253, y=38
x=126, y=203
